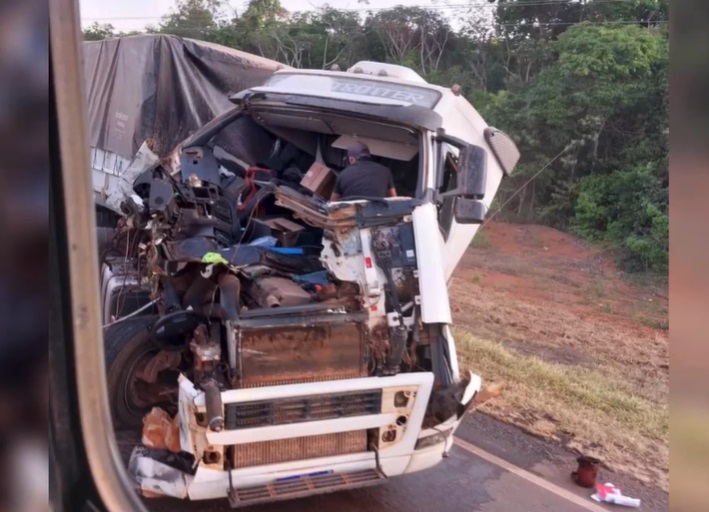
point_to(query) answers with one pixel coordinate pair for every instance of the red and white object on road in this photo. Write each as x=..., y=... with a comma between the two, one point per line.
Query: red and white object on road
x=609, y=493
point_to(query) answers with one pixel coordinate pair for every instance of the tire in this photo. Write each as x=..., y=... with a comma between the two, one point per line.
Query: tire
x=126, y=344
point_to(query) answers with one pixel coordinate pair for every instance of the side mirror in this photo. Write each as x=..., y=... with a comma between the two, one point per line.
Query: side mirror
x=472, y=173
x=469, y=211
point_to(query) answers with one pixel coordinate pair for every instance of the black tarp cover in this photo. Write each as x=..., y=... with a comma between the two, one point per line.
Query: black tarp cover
x=161, y=88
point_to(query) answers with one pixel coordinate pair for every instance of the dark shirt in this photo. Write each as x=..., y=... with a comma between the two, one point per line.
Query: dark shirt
x=365, y=178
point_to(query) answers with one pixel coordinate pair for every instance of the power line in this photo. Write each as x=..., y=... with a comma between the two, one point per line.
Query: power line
x=184, y=27
x=520, y=189
x=534, y=3
x=554, y=24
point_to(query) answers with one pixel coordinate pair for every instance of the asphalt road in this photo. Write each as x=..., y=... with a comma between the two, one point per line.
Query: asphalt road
x=497, y=468
x=464, y=482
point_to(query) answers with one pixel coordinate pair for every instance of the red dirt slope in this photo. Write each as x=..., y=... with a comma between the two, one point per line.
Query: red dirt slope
x=555, y=296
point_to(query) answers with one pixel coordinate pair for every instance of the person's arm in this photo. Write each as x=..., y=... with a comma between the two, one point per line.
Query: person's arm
x=336, y=191
x=391, y=189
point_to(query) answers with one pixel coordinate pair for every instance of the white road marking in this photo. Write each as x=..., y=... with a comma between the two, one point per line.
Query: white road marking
x=534, y=479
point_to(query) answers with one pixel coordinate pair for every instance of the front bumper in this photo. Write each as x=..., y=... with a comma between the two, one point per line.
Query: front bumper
x=412, y=449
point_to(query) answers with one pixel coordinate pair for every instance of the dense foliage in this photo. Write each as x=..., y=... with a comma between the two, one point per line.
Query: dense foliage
x=582, y=86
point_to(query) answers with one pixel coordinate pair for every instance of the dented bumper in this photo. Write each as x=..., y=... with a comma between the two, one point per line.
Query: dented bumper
x=289, y=418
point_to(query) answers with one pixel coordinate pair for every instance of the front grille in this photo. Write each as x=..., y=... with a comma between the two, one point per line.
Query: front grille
x=295, y=410
x=299, y=448
x=304, y=486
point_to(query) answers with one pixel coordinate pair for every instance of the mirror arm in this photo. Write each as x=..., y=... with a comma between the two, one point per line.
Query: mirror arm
x=441, y=136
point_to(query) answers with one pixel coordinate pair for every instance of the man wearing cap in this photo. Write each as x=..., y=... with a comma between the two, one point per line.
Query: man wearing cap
x=363, y=177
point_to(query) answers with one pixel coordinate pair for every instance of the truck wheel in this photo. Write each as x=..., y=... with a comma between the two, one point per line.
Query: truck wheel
x=128, y=348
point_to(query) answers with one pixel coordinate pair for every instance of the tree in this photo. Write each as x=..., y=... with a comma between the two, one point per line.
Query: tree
x=527, y=29
x=194, y=19
x=476, y=46
x=343, y=37
x=647, y=13
x=99, y=31
x=581, y=85
x=532, y=19
x=412, y=36
x=262, y=13
x=626, y=210
x=294, y=40
x=253, y=31
x=597, y=113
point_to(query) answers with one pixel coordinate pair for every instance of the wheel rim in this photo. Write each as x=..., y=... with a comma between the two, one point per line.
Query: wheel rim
x=133, y=392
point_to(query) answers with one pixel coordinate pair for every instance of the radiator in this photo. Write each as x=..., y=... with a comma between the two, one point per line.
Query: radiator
x=291, y=355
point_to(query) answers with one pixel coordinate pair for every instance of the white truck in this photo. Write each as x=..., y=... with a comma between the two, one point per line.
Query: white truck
x=304, y=346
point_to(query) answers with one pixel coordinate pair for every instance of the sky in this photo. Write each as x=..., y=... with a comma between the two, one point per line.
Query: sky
x=127, y=15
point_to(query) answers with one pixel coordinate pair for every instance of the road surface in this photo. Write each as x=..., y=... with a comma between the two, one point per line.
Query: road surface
x=492, y=468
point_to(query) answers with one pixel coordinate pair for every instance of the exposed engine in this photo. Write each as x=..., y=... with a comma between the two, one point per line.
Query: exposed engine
x=256, y=282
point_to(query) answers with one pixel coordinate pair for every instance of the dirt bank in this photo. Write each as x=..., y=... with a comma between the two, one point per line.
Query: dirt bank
x=583, y=346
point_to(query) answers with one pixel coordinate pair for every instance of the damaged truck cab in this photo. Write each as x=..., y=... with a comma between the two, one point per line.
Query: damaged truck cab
x=302, y=345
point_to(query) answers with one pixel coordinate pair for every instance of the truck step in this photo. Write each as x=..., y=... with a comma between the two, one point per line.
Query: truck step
x=304, y=486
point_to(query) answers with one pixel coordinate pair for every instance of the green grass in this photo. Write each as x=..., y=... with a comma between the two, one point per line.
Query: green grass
x=663, y=325
x=650, y=280
x=584, y=402
x=594, y=291
x=650, y=315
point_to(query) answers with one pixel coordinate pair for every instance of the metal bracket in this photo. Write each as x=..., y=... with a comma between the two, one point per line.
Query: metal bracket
x=376, y=459
x=231, y=494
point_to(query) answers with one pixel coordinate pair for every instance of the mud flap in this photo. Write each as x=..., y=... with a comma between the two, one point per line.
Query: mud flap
x=469, y=392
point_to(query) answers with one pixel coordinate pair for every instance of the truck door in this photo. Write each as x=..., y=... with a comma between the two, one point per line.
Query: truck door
x=467, y=176
x=456, y=236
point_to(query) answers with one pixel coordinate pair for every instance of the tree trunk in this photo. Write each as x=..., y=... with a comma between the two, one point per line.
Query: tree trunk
x=522, y=197
x=324, y=54
x=531, y=215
